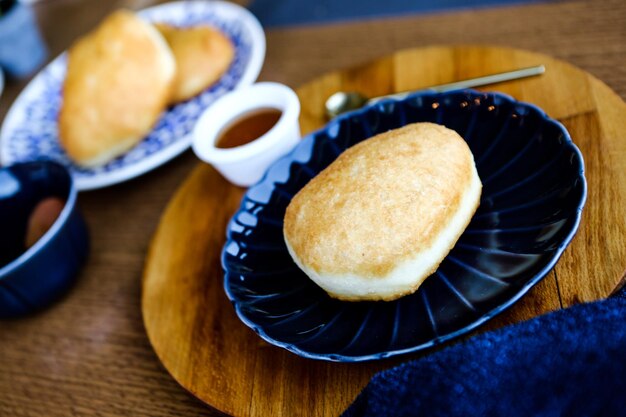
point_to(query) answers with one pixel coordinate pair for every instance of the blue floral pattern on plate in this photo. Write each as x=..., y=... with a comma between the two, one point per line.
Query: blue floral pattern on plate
x=534, y=190
x=30, y=130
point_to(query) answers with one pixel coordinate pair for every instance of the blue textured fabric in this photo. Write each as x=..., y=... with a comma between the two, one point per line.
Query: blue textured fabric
x=568, y=363
x=292, y=12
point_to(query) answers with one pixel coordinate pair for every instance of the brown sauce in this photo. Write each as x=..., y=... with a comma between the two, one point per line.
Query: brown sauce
x=248, y=127
x=42, y=218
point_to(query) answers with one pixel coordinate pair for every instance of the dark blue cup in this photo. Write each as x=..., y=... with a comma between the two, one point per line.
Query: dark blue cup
x=32, y=278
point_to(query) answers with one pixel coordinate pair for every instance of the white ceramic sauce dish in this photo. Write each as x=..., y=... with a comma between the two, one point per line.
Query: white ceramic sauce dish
x=245, y=165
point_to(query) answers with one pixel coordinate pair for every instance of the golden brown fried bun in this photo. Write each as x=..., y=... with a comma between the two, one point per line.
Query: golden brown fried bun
x=118, y=81
x=203, y=54
x=381, y=218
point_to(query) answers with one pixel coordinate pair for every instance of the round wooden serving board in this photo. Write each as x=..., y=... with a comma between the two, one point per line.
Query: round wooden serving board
x=194, y=329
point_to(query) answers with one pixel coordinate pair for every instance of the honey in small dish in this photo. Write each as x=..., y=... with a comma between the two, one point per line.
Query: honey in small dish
x=248, y=127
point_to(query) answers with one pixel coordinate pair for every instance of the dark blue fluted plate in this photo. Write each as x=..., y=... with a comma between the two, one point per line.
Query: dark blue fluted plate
x=534, y=190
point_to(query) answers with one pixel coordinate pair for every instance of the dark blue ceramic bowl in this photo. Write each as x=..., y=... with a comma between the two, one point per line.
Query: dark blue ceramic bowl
x=533, y=193
x=32, y=278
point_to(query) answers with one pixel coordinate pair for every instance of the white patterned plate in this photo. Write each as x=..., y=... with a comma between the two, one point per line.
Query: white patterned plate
x=30, y=129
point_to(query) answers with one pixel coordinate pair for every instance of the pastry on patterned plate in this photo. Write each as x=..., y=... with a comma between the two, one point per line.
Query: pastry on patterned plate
x=119, y=79
x=202, y=53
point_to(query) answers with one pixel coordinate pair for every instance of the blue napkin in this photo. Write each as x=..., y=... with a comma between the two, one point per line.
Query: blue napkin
x=293, y=12
x=568, y=363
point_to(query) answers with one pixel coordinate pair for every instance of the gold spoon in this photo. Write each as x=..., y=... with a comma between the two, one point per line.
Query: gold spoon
x=342, y=101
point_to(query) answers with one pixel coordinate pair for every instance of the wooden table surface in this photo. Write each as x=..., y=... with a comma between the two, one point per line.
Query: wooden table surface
x=88, y=354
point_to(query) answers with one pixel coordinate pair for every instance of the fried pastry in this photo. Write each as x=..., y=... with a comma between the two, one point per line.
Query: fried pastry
x=119, y=79
x=381, y=218
x=202, y=53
